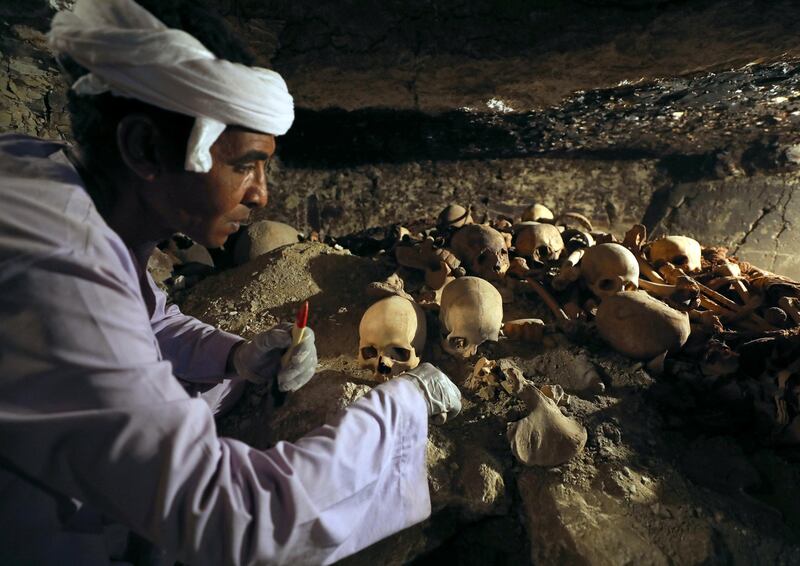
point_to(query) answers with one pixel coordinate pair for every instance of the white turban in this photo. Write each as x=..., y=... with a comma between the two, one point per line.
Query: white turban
x=130, y=53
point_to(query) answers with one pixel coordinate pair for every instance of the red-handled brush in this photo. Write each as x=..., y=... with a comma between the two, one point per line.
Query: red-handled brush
x=298, y=331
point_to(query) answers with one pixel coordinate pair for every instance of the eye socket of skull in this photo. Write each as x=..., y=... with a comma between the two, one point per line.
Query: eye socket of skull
x=542, y=253
x=679, y=260
x=457, y=342
x=369, y=352
x=576, y=240
x=486, y=256
x=400, y=354
x=607, y=284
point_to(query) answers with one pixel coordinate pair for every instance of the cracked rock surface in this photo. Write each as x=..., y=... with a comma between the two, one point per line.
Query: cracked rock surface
x=760, y=228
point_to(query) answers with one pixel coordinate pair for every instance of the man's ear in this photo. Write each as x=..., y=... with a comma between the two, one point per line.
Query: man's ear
x=138, y=140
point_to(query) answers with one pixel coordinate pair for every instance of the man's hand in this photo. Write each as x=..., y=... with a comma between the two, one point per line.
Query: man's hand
x=259, y=360
x=441, y=395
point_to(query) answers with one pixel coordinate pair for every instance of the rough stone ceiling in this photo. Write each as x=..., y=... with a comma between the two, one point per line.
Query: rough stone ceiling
x=451, y=80
x=448, y=54
x=704, y=114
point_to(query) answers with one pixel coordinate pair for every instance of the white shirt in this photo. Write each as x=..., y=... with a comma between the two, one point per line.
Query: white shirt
x=95, y=427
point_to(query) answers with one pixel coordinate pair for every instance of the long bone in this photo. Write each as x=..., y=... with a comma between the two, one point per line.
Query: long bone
x=730, y=269
x=568, y=273
x=684, y=295
x=576, y=217
x=790, y=307
x=546, y=297
x=717, y=302
x=525, y=329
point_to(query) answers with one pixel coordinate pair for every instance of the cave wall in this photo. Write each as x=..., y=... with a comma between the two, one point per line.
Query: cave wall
x=683, y=115
x=32, y=91
x=614, y=194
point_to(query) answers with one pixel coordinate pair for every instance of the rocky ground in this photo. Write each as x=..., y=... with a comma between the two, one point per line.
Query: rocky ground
x=660, y=481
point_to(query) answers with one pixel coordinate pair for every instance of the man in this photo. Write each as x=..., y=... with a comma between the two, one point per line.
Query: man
x=95, y=429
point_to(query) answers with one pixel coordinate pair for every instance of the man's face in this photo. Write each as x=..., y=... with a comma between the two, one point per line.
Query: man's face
x=209, y=207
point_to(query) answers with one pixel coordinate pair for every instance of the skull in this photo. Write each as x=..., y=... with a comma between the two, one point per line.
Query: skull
x=392, y=335
x=680, y=251
x=482, y=249
x=453, y=216
x=262, y=237
x=575, y=239
x=540, y=242
x=537, y=212
x=471, y=313
x=640, y=326
x=608, y=269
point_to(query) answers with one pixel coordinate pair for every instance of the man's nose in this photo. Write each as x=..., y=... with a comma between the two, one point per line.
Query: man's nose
x=256, y=194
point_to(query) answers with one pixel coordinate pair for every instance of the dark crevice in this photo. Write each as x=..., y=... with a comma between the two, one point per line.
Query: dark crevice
x=657, y=209
x=687, y=168
x=700, y=125
x=338, y=138
x=48, y=111
x=764, y=212
x=636, y=5
x=786, y=199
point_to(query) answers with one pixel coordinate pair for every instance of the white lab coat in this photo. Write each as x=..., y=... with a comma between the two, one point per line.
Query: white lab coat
x=95, y=429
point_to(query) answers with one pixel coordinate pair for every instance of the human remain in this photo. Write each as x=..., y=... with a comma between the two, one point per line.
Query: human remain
x=107, y=392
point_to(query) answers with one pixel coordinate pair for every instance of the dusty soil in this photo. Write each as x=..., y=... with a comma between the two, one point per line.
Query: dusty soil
x=654, y=485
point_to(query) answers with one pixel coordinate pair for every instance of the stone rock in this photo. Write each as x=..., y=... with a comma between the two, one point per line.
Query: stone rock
x=463, y=475
x=484, y=56
x=160, y=265
x=566, y=528
x=481, y=479
x=32, y=90
x=546, y=437
x=440, y=458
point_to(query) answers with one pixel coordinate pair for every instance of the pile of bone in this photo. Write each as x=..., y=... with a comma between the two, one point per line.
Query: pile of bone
x=646, y=299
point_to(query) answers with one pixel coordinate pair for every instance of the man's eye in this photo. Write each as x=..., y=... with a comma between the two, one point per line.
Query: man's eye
x=245, y=168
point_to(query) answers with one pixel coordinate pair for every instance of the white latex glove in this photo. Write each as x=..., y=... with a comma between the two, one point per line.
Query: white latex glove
x=441, y=395
x=259, y=359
